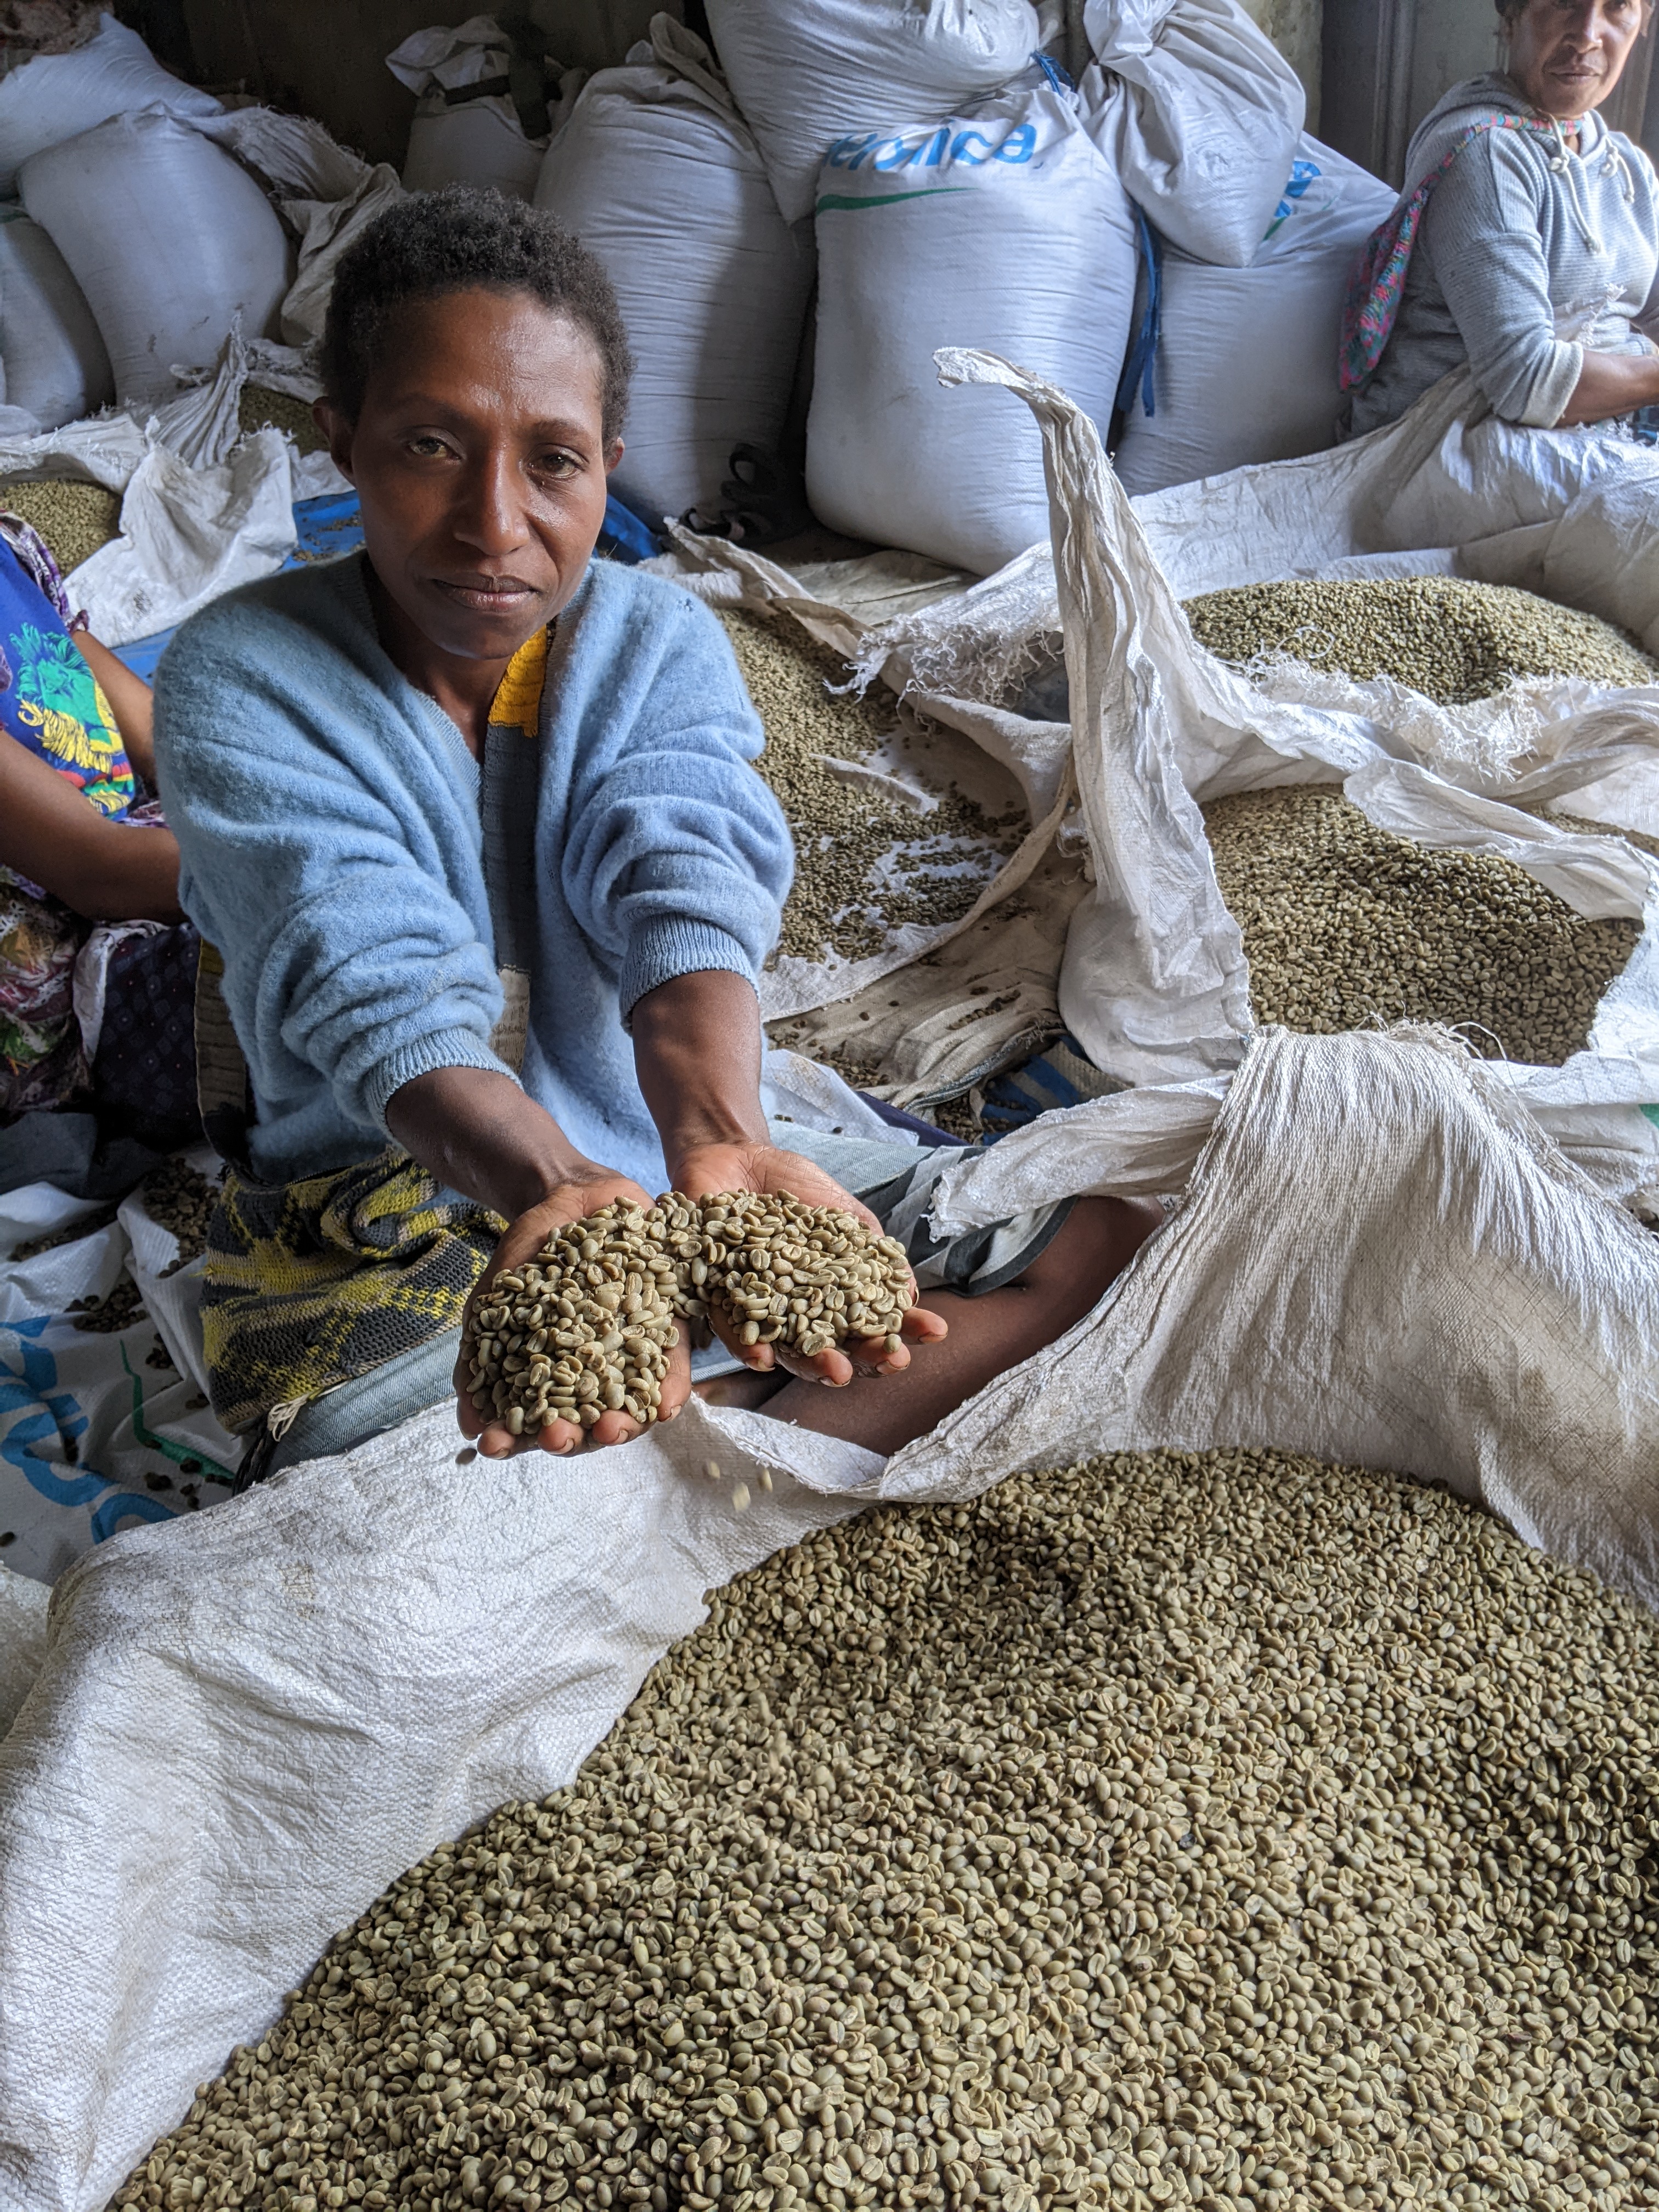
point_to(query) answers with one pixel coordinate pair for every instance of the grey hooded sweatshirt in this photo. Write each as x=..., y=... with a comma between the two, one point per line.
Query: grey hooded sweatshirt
x=1529, y=256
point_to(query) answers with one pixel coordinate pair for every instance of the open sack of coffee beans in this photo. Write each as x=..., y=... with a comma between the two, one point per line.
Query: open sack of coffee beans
x=1331, y=849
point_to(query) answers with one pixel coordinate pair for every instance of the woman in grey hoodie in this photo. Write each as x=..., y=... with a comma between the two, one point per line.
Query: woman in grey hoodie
x=1526, y=245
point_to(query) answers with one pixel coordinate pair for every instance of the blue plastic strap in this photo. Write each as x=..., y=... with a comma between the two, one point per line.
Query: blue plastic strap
x=1140, y=369
x=1060, y=79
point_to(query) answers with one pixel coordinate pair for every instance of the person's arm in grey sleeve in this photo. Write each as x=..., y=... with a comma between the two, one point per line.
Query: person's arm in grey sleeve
x=1482, y=229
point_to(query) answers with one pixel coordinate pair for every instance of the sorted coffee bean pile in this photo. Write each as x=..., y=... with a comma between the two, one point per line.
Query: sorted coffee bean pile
x=257, y=408
x=71, y=1233
x=1212, y=1831
x=864, y=864
x=1344, y=925
x=74, y=518
x=1454, y=641
x=116, y=1310
x=587, y=1327
x=177, y=1197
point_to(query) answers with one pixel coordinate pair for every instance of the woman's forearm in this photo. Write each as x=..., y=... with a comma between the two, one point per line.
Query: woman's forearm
x=106, y=871
x=479, y=1133
x=1613, y=384
x=698, y=1049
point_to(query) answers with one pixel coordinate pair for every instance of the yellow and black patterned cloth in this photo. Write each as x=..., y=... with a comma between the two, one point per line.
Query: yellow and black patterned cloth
x=310, y=1284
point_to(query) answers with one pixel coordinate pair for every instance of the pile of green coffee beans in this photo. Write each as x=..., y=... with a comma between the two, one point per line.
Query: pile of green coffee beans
x=1220, y=1830
x=587, y=1327
x=1346, y=924
x=864, y=864
x=75, y=519
x=1454, y=641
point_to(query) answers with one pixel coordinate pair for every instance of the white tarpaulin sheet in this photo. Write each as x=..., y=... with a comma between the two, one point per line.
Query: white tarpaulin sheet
x=248, y=1722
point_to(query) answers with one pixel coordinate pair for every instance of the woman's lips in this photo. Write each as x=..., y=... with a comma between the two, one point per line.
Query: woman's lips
x=485, y=591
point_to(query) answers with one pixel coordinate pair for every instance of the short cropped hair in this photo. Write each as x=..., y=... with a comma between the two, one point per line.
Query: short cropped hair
x=460, y=240
x=1511, y=11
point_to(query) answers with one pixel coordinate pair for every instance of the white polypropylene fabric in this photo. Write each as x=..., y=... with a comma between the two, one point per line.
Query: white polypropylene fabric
x=96, y=1432
x=53, y=97
x=327, y=226
x=455, y=139
x=657, y=173
x=189, y=535
x=1246, y=368
x=169, y=238
x=307, y=1658
x=22, y=1640
x=1003, y=227
x=203, y=425
x=1155, y=985
x=806, y=75
x=1206, y=132
x=57, y=370
x=481, y=141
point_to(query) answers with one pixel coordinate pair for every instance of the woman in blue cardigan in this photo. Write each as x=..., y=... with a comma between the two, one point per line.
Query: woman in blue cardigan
x=470, y=823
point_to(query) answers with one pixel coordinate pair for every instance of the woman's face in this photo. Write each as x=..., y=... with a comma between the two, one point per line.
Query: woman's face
x=1568, y=55
x=479, y=458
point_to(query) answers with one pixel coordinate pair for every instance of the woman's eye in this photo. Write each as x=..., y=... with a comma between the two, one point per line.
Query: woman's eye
x=427, y=447
x=558, y=464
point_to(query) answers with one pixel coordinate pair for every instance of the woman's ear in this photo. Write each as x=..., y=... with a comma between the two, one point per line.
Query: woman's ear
x=338, y=431
x=613, y=454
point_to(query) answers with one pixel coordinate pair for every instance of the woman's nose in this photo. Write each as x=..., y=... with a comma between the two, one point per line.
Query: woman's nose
x=487, y=512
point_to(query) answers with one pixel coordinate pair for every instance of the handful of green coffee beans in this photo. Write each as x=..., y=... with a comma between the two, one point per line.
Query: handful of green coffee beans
x=586, y=1327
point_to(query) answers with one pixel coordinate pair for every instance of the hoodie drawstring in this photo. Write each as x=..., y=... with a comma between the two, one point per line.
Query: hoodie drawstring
x=1562, y=166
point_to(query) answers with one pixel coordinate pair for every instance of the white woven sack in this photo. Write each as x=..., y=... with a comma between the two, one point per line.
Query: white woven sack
x=304, y=1662
x=656, y=173
x=1002, y=227
x=1206, y=135
x=1246, y=368
x=52, y=97
x=56, y=368
x=457, y=139
x=481, y=141
x=804, y=75
x=1155, y=984
x=169, y=238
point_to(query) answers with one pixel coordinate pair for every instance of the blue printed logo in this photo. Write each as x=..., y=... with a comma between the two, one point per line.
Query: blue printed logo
x=1302, y=175
x=950, y=146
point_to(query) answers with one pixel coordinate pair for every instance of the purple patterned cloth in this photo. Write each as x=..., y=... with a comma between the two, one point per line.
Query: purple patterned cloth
x=1378, y=283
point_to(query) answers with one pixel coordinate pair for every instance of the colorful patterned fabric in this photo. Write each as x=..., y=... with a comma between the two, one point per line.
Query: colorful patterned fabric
x=50, y=699
x=313, y=1283
x=41, y=1062
x=1378, y=283
x=50, y=703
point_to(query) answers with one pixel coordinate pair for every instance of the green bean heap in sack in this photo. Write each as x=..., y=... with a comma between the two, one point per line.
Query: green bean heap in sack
x=1346, y=924
x=587, y=1326
x=1204, y=1831
x=1452, y=640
